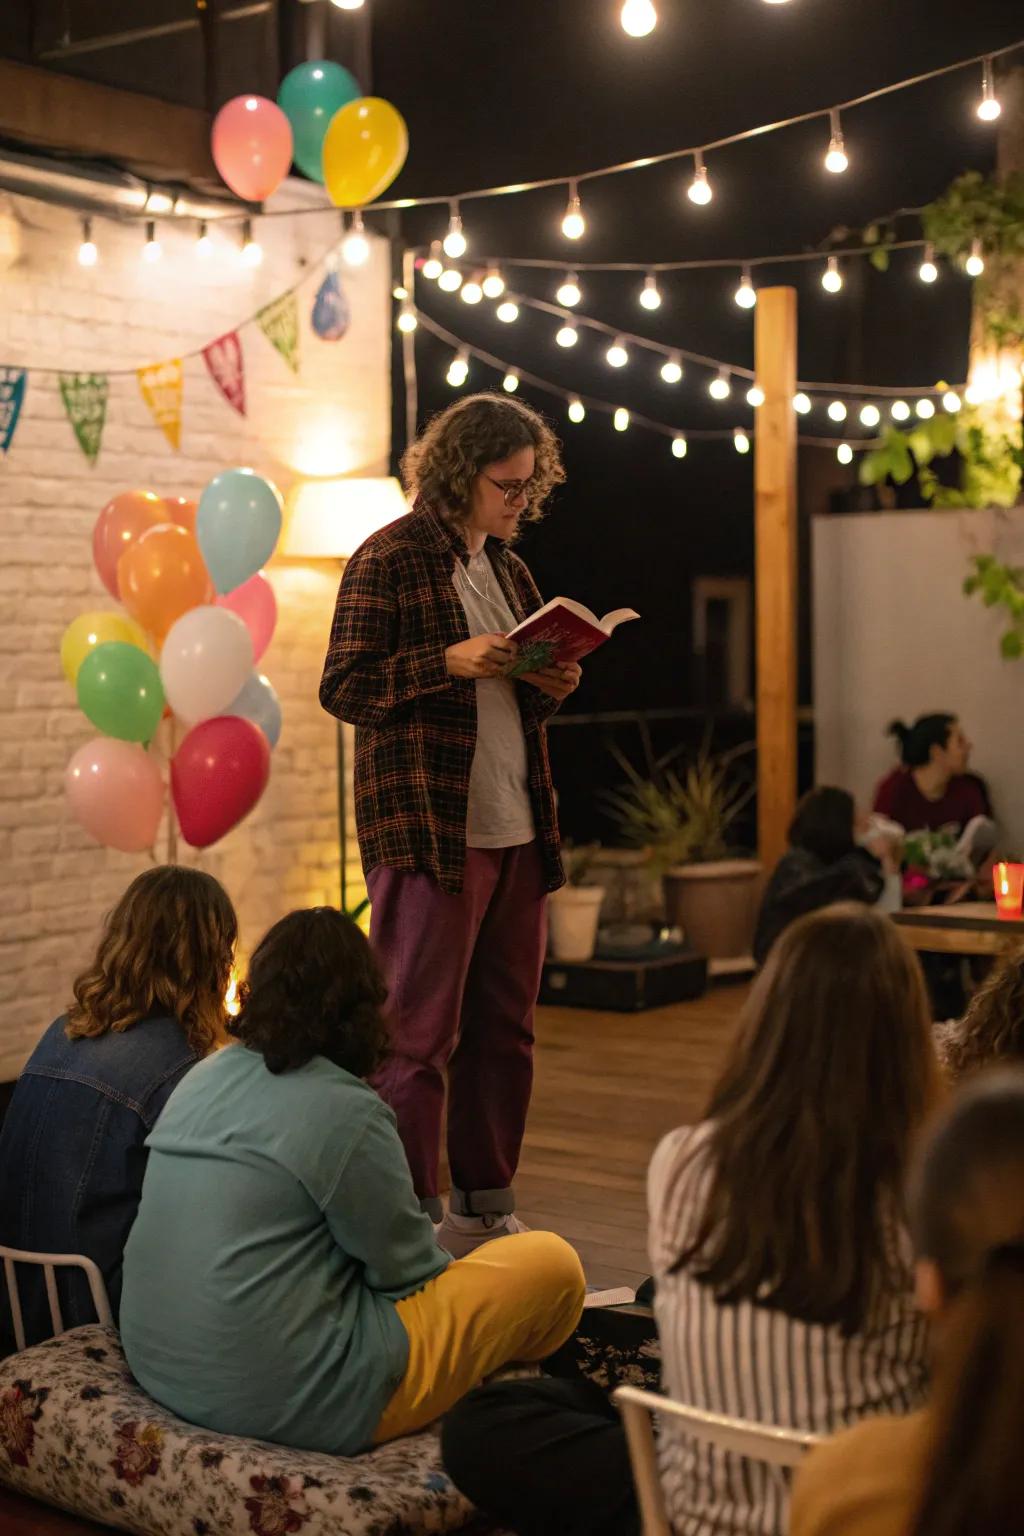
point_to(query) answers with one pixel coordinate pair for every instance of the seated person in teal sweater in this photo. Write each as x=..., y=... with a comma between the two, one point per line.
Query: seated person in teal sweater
x=281, y=1280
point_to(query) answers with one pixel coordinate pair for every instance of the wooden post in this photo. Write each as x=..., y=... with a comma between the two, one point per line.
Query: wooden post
x=775, y=525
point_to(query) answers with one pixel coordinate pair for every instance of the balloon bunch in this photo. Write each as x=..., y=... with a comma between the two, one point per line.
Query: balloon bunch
x=355, y=145
x=200, y=615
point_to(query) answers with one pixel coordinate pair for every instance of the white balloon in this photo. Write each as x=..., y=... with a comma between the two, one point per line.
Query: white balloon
x=205, y=661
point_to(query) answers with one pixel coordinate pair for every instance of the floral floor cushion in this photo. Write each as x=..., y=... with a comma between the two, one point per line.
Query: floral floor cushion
x=76, y=1431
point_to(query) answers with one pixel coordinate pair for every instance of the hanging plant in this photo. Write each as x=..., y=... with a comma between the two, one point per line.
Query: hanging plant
x=1000, y=586
x=990, y=462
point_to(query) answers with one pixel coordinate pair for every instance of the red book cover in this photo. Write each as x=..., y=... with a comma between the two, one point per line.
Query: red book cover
x=562, y=631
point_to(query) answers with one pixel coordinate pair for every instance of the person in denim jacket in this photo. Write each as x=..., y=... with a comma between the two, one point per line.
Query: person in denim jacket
x=72, y=1147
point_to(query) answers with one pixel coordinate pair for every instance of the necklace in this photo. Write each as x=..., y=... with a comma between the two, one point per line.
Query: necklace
x=486, y=595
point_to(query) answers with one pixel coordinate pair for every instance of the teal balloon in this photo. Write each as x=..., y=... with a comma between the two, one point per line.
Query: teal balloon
x=238, y=525
x=309, y=96
x=119, y=690
x=258, y=702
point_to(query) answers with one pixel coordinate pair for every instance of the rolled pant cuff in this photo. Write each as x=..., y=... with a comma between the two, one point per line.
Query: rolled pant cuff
x=482, y=1202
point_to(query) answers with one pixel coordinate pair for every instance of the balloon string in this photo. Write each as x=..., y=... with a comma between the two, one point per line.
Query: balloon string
x=172, y=820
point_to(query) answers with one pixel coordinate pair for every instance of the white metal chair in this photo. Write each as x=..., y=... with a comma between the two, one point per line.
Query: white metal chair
x=761, y=1442
x=50, y=1263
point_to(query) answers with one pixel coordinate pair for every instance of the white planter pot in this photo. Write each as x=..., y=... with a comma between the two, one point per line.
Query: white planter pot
x=573, y=915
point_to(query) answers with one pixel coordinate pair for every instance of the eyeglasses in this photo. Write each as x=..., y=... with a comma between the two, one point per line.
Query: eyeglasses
x=512, y=489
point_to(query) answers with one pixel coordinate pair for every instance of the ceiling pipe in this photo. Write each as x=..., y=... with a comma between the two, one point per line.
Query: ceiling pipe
x=103, y=41
x=98, y=189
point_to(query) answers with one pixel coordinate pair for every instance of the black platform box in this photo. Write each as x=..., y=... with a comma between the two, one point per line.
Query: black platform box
x=624, y=986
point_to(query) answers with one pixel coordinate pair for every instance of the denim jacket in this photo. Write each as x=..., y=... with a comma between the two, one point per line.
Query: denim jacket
x=72, y=1156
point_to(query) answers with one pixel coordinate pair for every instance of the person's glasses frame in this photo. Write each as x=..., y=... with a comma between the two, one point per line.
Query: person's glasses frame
x=511, y=489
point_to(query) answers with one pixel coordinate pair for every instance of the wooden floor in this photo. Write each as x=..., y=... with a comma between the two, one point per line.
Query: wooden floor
x=608, y=1086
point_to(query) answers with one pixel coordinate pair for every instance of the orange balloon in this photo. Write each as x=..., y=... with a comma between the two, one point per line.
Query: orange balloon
x=162, y=576
x=123, y=520
x=181, y=510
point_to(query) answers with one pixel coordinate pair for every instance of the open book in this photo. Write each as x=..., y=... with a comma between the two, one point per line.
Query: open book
x=562, y=631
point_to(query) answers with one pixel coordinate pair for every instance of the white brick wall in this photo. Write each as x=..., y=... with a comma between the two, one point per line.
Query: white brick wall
x=333, y=418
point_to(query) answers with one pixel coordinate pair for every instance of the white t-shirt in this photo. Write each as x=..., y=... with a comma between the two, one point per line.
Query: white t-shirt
x=499, y=814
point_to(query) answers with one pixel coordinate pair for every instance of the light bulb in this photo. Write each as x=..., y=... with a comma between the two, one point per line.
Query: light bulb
x=493, y=284
x=699, y=191
x=989, y=107
x=567, y=336
x=740, y=441
x=899, y=410
x=204, y=245
x=454, y=242
x=802, y=403
x=672, y=370
x=928, y=271
x=836, y=159
x=745, y=295
x=975, y=263
x=458, y=370
x=573, y=222
x=638, y=18
x=472, y=292
x=569, y=293
x=88, y=255
x=576, y=410
x=650, y=295
x=617, y=356
x=510, y=383
x=355, y=248
x=407, y=321
x=844, y=453
x=925, y=409
x=620, y=420
x=837, y=411
x=832, y=278
x=679, y=447
x=870, y=415
x=720, y=388
x=348, y=5
x=433, y=266
x=974, y=394
x=755, y=396
x=252, y=251
x=507, y=312
x=151, y=250
x=450, y=280
x=400, y=293
x=951, y=401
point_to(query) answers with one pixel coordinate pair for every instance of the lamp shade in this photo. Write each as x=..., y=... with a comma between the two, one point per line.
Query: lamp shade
x=329, y=519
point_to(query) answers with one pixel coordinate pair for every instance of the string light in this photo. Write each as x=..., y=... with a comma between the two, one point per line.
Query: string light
x=672, y=369
x=507, y=312
x=989, y=107
x=975, y=263
x=400, y=293
x=638, y=18
x=355, y=248
x=974, y=394
x=740, y=440
x=951, y=401
x=494, y=284
x=679, y=446
x=699, y=191
x=899, y=410
x=746, y=295
x=433, y=266
x=569, y=293
x=454, y=242
x=88, y=255
x=450, y=280
x=844, y=453
x=252, y=251
x=407, y=321
x=204, y=245
x=151, y=250
x=510, y=383
x=650, y=294
x=832, y=278
x=576, y=410
x=458, y=370
x=617, y=356
x=720, y=388
x=755, y=396
x=836, y=160
x=620, y=420
x=837, y=411
x=567, y=336
x=928, y=271
x=870, y=415
x=925, y=409
x=573, y=222
x=348, y=5
x=472, y=292
x=801, y=403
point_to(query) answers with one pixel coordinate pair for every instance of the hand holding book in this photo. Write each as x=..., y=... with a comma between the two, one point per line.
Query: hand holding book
x=561, y=632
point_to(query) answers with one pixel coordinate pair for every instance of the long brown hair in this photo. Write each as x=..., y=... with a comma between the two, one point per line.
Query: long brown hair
x=969, y=1221
x=831, y=1072
x=993, y=1026
x=165, y=948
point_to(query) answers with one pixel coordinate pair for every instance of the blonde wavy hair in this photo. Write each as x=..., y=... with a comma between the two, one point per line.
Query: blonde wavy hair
x=460, y=442
x=166, y=948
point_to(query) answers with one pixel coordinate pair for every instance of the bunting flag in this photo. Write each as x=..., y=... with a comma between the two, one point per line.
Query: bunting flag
x=161, y=385
x=223, y=358
x=332, y=312
x=279, y=322
x=85, y=400
x=12, y=395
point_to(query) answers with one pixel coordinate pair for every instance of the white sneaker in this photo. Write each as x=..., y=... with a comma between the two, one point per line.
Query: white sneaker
x=460, y=1235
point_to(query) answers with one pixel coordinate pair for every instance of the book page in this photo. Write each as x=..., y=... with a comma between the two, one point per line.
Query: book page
x=561, y=602
x=616, y=617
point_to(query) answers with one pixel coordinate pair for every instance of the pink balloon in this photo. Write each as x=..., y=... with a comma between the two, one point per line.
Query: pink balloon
x=255, y=603
x=252, y=146
x=115, y=792
x=217, y=775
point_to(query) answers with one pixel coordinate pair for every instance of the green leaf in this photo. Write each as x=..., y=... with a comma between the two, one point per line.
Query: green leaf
x=921, y=445
x=872, y=235
x=902, y=466
x=1012, y=645
x=879, y=259
x=971, y=585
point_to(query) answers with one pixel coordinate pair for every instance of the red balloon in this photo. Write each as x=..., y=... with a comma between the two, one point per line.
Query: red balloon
x=180, y=510
x=217, y=775
x=121, y=523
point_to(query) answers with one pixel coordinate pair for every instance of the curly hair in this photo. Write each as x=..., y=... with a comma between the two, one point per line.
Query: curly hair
x=314, y=989
x=993, y=1026
x=457, y=444
x=166, y=948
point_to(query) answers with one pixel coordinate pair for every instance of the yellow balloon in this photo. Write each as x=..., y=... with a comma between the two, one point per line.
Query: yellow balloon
x=89, y=630
x=364, y=149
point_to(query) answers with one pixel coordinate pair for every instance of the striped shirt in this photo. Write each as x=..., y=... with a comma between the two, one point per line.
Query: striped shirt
x=755, y=1363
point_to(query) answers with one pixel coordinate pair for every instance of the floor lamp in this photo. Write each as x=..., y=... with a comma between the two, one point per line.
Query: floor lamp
x=327, y=522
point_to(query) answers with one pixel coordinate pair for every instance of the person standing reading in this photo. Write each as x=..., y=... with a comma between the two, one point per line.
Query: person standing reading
x=455, y=808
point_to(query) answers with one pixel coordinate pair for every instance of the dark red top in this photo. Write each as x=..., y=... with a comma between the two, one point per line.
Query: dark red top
x=899, y=798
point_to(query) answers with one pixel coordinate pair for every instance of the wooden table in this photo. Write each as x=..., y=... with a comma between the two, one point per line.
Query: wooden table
x=968, y=928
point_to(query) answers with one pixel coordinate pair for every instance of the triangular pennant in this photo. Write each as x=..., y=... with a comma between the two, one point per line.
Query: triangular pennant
x=12, y=396
x=332, y=312
x=161, y=385
x=85, y=400
x=223, y=358
x=279, y=322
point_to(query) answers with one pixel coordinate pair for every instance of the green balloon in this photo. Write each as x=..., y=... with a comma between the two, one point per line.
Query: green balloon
x=119, y=689
x=309, y=96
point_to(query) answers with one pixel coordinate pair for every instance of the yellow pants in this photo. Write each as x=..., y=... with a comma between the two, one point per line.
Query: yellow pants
x=515, y=1298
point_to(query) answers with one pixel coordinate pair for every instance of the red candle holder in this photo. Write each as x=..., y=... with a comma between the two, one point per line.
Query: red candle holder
x=1008, y=883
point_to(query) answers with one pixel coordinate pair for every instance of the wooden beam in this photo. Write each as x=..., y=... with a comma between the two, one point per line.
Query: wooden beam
x=775, y=523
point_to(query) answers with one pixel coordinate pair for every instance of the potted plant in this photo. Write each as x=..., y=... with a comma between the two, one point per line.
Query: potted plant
x=684, y=819
x=574, y=909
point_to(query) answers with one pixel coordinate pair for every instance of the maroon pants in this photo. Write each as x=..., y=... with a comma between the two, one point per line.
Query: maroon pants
x=463, y=973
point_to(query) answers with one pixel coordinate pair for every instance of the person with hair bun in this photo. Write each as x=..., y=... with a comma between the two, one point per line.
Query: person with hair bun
x=932, y=789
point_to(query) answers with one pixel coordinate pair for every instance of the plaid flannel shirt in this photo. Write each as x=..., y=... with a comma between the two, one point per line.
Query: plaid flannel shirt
x=396, y=614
